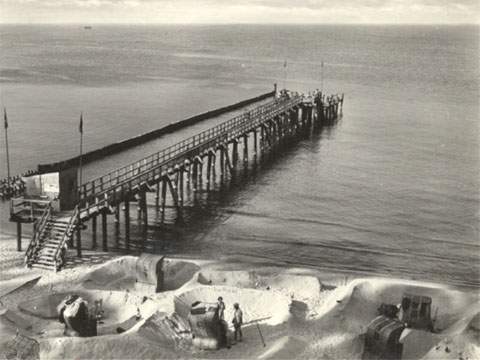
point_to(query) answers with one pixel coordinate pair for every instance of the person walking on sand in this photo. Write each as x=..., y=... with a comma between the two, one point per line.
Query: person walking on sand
x=237, y=322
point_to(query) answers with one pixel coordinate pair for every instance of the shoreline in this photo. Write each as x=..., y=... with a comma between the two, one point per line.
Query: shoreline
x=11, y=262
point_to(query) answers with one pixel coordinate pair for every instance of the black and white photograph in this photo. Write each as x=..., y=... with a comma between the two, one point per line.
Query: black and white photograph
x=249, y=179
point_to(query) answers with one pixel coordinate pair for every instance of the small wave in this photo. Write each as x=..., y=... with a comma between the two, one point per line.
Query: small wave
x=347, y=226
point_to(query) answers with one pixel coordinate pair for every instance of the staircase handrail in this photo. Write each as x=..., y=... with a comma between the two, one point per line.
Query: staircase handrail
x=68, y=231
x=39, y=226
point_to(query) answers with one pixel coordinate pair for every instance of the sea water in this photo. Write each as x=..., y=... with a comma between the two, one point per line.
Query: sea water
x=392, y=188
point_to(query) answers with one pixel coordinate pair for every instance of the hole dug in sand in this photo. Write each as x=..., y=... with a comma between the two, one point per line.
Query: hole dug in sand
x=267, y=306
x=148, y=273
x=121, y=310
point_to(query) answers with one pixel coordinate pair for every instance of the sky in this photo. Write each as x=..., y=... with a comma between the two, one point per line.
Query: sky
x=241, y=11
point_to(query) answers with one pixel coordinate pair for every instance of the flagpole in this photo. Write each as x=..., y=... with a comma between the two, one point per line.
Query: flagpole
x=81, y=152
x=285, y=75
x=6, y=144
x=322, y=77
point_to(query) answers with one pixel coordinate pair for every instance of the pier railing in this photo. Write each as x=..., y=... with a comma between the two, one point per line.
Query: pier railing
x=117, y=176
x=28, y=208
x=100, y=190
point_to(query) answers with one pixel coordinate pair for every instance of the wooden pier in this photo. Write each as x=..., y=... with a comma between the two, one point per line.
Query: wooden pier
x=190, y=166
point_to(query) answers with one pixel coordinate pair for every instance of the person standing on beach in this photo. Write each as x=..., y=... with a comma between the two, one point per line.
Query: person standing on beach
x=221, y=309
x=222, y=322
x=237, y=322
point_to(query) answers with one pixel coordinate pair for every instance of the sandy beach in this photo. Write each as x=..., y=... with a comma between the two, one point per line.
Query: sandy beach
x=301, y=314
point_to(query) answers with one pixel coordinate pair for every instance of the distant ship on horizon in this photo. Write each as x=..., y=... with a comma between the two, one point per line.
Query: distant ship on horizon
x=87, y=27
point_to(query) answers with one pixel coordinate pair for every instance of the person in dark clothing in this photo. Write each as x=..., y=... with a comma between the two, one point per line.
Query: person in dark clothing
x=237, y=322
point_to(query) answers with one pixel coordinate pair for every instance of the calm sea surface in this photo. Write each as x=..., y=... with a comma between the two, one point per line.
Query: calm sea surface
x=393, y=188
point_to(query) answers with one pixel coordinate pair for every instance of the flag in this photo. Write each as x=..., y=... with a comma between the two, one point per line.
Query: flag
x=285, y=64
x=80, y=127
x=5, y=121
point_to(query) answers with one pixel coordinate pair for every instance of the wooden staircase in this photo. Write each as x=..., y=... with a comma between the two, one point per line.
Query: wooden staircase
x=50, y=239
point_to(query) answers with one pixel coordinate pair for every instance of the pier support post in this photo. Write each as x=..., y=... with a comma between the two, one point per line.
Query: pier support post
x=235, y=153
x=157, y=196
x=209, y=169
x=255, y=140
x=143, y=204
x=164, y=198
x=104, y=231
x=194, y=175
x=222, y=164
x=139, y=212
x=214, y=171
x=94, y=232
x=19, y=236
x=245, y=149
x=174, y=193
x=79, y=240
x=117, y=226
x=127, y=224
x=200, y=174
x=180, y=186
x=189, y=174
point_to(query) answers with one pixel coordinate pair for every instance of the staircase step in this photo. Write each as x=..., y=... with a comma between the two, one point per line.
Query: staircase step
x=41, y=266
x=61, y=222
x=53, y=233
x=44, y=262
x=47, y=252
x=52, y=241
x=50, y=246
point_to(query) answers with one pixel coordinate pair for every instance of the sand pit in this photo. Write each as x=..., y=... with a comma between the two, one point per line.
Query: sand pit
x=301, y=288
x=122, y=274
x=269, y=307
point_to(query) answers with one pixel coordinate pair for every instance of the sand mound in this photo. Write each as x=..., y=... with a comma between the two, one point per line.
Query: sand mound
x=360, y=300
x=124, y=346
x=121, y=274
x=462, y=341
x=255, y=304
